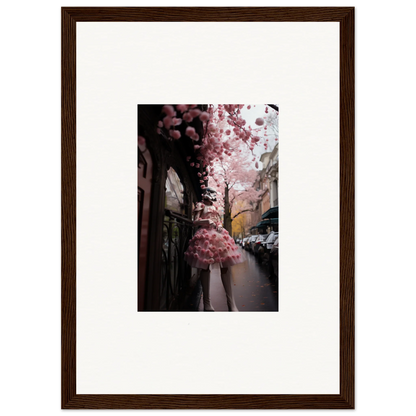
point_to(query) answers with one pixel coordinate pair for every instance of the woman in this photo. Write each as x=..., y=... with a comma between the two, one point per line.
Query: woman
x=212, y=244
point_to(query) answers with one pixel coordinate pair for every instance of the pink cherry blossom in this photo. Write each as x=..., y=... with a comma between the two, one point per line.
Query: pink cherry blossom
x=259, y=121
x=195, y=112
x=187, y=117
x=169, y=110
x=190, y=131
x=167, y=122
x=141, y=141
x=176, y=134
x=204, y=116
x=182, y=108
x=212, y=128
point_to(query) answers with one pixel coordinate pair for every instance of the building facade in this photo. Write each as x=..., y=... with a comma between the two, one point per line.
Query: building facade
x=272, y=173
x=168, y=188
x=267, y=181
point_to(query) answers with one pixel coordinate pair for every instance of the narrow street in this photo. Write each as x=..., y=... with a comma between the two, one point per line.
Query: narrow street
x=253, y=290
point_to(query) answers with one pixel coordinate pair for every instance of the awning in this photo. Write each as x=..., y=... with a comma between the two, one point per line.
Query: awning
x=267, y=222
x=271, y=213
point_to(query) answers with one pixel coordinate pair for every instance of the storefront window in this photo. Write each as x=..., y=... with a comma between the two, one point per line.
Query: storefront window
x=174, y=198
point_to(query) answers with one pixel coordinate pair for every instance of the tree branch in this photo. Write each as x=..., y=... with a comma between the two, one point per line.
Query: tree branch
x=230, y=186
x=241, y=212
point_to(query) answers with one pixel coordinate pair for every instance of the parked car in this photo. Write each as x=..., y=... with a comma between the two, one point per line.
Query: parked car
x=244, y=242
x=274, y=259
x=250, y=242
x=266, y=245
x=257, y=243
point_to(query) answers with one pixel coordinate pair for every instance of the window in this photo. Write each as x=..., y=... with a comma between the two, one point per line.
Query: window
x=174, y=197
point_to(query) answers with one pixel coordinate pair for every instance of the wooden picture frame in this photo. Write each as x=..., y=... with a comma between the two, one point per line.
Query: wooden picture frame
x=70, y=399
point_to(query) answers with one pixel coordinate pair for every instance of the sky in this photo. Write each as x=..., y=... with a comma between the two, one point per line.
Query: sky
x=256, y=110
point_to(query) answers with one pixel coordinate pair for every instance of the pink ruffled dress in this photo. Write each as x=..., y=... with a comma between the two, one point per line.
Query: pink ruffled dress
x=209, y=246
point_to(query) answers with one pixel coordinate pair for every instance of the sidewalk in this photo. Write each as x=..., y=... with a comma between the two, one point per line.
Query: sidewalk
x=217, y=292
x=253, y=290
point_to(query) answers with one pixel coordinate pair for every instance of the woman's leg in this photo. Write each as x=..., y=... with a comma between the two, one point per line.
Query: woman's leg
x=205, y=281
x=228, y=284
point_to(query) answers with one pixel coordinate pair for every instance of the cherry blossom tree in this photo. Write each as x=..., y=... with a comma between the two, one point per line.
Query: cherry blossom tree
x=224, y=148
x=220, y=122
x=233, y=179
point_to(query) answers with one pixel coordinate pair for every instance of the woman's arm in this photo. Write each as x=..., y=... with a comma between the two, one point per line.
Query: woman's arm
x=200, y=222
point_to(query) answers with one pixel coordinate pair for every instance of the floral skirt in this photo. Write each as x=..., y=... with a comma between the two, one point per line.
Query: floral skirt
x=208, y=246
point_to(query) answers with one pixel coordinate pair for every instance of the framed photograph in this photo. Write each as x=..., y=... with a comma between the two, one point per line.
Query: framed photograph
x=244, y=207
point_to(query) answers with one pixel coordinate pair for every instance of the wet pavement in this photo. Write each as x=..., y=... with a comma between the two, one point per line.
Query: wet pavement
x=253, y=290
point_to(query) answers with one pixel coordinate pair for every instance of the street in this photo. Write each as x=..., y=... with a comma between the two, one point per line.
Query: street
x=252, y=289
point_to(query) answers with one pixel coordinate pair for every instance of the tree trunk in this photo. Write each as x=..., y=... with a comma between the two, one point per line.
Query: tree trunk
x=227, y=210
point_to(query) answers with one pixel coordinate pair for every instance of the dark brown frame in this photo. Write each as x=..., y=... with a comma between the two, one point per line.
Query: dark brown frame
x=344, y=400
